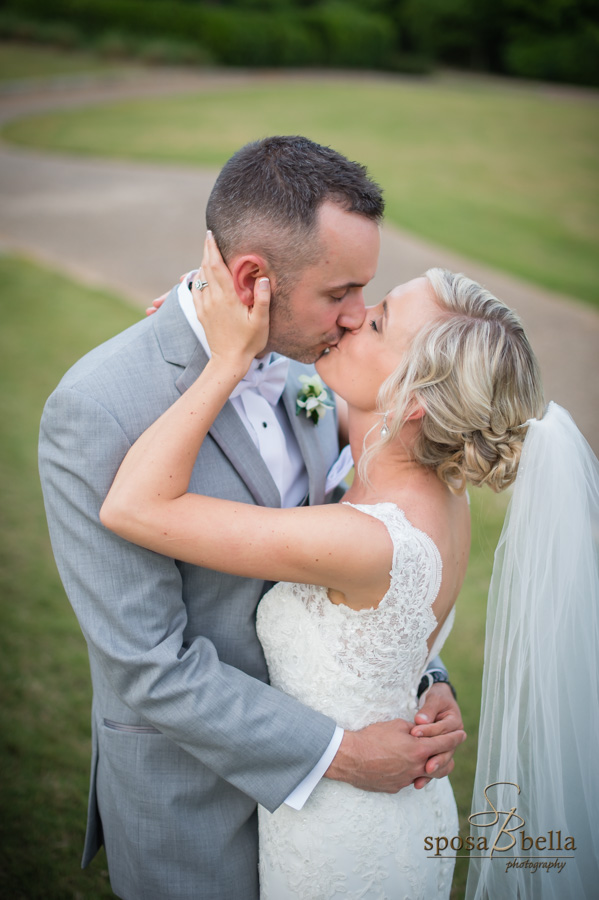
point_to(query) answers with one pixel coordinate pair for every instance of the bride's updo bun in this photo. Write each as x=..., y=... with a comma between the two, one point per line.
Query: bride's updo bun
x=474, y=374
x=485, y=458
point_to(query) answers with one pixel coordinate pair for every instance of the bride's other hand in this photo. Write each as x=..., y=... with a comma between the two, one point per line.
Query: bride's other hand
x=440, y=714
x=157, y=303
x=235, y=331
x=386, y=757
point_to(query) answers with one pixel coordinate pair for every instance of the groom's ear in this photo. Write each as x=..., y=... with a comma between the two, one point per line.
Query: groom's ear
x=245, y=270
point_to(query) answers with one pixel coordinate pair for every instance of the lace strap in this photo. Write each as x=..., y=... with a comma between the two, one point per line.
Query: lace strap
x=424, y=568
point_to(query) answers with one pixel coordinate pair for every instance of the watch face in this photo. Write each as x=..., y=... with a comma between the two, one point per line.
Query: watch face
x=425, y=682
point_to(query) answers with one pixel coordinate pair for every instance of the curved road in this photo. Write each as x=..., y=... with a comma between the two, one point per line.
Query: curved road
x=135, y=227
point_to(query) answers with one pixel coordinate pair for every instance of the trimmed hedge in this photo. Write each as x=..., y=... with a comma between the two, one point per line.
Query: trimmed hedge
x=326, y=35
x=572, y=58
x=555, y=40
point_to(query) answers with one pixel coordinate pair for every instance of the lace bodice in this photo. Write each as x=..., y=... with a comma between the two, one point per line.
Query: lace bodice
x=358, y=666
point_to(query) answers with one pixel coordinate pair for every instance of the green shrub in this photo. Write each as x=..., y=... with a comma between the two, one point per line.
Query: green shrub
x=19, y=28
x=351, y=38
x=572, y=58
x=411, y=63
x=244, y=38
x=283, y=36
x=173, y=52
x=59, y=34
x=439, y=29
x=115, y=45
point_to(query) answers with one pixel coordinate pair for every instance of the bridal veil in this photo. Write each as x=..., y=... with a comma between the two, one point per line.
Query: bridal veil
x=539, y=729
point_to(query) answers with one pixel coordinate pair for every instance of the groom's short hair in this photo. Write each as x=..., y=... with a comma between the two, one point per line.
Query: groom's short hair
x=267, y=197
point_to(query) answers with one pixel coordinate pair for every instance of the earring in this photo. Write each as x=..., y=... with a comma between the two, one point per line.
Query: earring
x=384, y=426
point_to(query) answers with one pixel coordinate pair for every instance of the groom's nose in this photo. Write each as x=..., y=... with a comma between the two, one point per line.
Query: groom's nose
x=353, y=312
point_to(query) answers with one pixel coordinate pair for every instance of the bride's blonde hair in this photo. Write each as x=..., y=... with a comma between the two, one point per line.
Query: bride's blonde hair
x=474, y=374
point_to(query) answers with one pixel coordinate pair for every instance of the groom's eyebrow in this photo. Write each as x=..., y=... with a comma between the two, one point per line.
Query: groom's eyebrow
x=346, y=286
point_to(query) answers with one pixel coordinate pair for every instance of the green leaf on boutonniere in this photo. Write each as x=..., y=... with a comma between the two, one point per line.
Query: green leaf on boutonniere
x=313, y=399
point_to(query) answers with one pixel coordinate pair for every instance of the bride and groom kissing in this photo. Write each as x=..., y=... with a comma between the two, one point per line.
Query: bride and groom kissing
x=222, y=490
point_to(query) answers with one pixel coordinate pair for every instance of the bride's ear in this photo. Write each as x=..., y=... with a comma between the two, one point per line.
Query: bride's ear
x=245, y=270
x=416, y=412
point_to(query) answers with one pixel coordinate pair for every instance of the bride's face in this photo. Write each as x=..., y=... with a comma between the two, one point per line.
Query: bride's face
x=364, y=358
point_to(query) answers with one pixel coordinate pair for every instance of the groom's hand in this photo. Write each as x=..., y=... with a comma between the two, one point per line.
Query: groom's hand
x=385, y=757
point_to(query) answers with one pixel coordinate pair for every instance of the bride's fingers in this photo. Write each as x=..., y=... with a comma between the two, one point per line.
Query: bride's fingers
x=433, y=729
x=259, y=314
x=214, y=259
x=440, y=766
x=421, y=782
x=215, y=271
x=441, y=746
x=261, y=306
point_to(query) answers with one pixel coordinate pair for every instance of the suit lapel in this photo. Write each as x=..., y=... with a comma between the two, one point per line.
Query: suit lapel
x=307, y=436
x=180, y=346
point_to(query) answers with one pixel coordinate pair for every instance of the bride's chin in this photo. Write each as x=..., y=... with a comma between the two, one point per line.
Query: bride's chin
x=327, y=373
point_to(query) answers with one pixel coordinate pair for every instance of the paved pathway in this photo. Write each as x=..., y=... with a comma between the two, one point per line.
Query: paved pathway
x=135, y=227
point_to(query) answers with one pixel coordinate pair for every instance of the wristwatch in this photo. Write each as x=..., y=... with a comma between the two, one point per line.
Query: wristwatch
x=435, y=676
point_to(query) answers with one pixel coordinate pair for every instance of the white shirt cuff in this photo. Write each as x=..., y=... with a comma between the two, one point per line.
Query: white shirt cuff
x=300, y=794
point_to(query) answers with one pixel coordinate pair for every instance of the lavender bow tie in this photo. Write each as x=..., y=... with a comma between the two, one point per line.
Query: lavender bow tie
x=268, y=379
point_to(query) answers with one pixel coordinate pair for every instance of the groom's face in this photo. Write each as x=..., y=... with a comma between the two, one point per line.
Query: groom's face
x=327, y=298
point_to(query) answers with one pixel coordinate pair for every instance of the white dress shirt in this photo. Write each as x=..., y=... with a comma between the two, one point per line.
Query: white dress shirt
x=271, y=432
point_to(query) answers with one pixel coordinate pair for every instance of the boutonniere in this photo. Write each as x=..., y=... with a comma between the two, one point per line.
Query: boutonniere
x=312, y=399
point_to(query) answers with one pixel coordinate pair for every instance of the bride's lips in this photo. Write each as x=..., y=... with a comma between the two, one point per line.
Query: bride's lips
x=335, y=344
x=332, y=345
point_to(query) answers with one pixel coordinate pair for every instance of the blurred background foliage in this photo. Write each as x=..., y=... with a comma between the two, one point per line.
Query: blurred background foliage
x=556, y=40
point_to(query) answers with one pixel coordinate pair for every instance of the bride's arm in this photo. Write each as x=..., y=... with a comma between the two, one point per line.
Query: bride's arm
x=149, y=503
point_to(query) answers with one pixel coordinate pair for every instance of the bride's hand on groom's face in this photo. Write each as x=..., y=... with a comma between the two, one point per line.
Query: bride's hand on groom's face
x=234, y=330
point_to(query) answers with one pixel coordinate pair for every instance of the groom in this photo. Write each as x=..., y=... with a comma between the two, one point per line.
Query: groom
x=187, y=735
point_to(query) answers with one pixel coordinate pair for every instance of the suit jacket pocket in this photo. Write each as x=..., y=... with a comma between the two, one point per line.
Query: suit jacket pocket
x=131, y=729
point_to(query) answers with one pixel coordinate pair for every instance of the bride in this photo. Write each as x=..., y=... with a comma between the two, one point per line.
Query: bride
x=441, y=387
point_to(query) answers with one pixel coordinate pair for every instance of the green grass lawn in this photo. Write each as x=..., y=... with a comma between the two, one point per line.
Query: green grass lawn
x=504, y=173
x=44, y=677
x=48, y=322
x=24, y=61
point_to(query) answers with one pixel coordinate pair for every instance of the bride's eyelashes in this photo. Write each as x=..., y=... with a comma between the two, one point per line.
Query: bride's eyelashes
x=373, y=325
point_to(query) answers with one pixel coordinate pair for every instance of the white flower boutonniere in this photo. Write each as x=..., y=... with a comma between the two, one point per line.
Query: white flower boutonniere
x=312, y=399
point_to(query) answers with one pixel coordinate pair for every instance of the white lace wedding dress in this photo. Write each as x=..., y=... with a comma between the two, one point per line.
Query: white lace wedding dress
x=358, y=667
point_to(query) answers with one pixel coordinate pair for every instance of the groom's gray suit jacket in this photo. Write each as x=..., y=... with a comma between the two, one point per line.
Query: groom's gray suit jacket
x=187, y=735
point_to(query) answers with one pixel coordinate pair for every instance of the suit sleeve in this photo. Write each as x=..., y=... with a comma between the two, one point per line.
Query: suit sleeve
x=129, y=604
